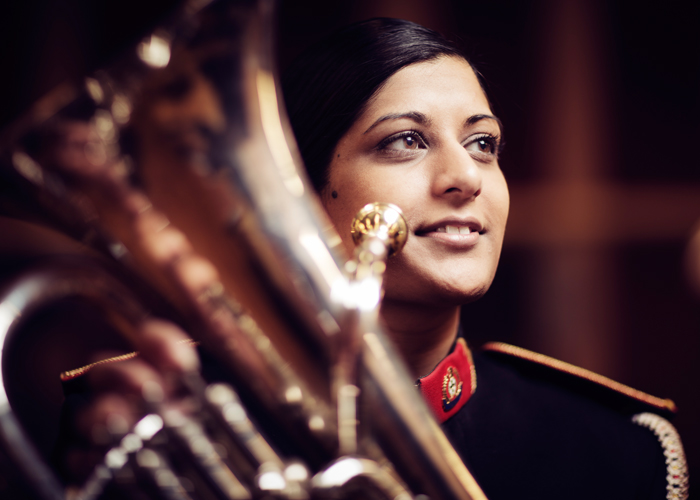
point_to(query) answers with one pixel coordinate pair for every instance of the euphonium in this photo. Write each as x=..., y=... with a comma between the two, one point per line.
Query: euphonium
x=177, y=162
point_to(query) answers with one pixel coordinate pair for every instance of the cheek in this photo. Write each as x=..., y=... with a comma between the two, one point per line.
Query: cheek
x=355, y=187
x=342, y=199
x=341, y=216
x=505, y=204
x=498, y=201
x=359, y=181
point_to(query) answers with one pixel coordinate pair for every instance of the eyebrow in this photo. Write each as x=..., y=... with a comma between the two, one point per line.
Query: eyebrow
x=424, y=120
x=477, y=118
x=412, y=115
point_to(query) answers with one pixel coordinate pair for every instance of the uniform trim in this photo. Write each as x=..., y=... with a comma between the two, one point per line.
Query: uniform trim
x=562, y=366
x=77, y=372
x=676, y=465
x=453, y=369
x=472, y=369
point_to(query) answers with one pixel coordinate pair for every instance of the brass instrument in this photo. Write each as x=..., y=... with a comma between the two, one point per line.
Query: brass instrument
x=177, y=162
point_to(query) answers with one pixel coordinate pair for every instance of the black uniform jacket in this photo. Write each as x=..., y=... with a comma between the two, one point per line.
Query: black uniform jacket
x=531, y=427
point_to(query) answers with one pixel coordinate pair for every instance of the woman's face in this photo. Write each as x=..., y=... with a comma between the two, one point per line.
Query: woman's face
x=428, y=143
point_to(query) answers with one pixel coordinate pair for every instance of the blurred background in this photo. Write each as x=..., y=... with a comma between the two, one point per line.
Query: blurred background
x=601, y=106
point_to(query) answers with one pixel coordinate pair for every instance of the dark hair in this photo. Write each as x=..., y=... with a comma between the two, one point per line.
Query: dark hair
x=328, y=86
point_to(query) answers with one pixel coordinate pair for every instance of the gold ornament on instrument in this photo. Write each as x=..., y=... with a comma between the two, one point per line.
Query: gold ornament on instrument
x=381, y=220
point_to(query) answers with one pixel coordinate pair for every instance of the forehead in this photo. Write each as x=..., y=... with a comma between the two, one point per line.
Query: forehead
x=446, y=83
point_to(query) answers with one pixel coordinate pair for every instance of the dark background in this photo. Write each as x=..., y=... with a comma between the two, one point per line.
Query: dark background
x=600, y=102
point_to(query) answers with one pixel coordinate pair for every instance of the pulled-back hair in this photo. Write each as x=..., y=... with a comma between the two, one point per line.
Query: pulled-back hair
x=328, y=87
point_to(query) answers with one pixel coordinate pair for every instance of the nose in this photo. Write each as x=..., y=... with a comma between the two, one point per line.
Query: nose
x=457, y=175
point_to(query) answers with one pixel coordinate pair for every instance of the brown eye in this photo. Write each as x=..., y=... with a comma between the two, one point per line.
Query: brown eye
x=482, y=145
x=408, y=141
x=485, y=146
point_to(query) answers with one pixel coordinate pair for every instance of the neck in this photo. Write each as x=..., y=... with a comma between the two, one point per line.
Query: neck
x=423, y=334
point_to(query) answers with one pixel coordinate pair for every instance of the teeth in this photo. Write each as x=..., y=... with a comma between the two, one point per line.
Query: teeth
x=453, y=230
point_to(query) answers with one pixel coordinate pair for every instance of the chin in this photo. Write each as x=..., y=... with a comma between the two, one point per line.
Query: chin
x=438, y=294
x=462, y=288
x=463, y=295
x=438, y=284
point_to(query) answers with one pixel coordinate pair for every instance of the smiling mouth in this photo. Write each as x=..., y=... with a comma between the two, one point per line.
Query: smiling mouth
x=460, y=237
x=459, y=234
x=453, y=230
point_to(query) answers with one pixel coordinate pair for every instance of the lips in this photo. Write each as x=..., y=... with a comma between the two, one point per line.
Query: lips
x=451, y=226
x=456, y=233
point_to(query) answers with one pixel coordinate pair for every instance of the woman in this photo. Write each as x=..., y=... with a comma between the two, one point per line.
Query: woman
x=413, y=128
x=389, y=111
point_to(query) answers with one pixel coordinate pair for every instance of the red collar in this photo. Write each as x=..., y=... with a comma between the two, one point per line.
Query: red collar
x=451, y=383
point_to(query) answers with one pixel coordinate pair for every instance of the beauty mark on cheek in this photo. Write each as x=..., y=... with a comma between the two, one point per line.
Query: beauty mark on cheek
x=334, y=194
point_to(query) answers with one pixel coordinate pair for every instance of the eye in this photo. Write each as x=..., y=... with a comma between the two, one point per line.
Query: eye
x=404, y=141
x=483, y=145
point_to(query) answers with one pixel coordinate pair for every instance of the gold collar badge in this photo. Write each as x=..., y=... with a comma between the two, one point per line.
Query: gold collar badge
x=451, y=388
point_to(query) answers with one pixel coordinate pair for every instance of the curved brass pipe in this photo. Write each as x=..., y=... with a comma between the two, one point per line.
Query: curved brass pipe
x=178, y=162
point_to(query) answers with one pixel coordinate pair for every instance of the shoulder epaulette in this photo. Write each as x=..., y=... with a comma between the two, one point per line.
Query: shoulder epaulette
x=579, y=379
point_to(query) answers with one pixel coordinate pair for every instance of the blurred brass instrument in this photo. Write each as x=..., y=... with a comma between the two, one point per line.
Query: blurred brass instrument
x=178, y=164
